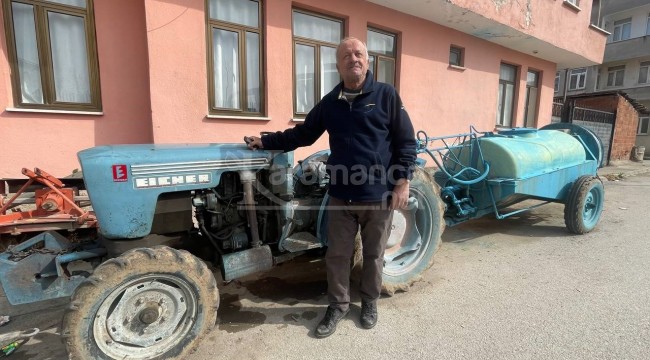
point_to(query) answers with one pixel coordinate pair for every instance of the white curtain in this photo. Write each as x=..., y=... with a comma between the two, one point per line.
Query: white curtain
x=28, y=63
x=235, y=11
x=226, y=68
x=385, y=71
x=79, y=3
x=329, y=75
x=305, y=58
x=381, y=43
x=253, y=71
x=69, y=58
x=317, y=28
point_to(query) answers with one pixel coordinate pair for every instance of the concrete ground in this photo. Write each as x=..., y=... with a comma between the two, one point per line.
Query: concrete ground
x=519, y=288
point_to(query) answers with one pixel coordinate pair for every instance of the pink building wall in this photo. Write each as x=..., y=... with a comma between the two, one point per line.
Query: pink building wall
x=153, y=68
x=440, y=100
x=50, y=140
x=553, y=21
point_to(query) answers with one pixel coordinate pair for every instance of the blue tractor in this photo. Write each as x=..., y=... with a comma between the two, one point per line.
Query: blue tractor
x=164, y=211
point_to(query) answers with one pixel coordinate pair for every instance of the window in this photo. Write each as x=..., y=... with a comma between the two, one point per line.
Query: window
x=456, y=56
x=644, y=72
x=574, y=2
x=506, y=96
x=315, y=39
x=532, y=94
x=622, y=29
x=577, y=78
x=382, y=53
x=647, y=27
x=643, y=126
x=234, y=57
x=556, y=85
x=53, y=56
x=615, y=75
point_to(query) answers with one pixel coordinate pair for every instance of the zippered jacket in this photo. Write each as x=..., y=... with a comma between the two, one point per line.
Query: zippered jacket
x=371, y=139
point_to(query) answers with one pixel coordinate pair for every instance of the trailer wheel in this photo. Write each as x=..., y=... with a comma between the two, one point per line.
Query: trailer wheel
x=584, y=204
x=149, y=303
x=415, y=236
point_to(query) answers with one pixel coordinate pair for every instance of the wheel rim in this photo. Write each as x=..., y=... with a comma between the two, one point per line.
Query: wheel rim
x=145, y=317
x=592, y=206
x=409, y=239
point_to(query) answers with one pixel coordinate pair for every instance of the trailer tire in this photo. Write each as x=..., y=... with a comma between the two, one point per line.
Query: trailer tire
x=405, y=259
x=149, y=303
x=584, y=205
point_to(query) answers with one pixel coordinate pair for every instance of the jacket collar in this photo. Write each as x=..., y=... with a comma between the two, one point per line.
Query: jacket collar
x=368, y=85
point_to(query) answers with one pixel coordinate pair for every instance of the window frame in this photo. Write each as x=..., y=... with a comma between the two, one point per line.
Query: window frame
x=581, y=74
x=621, y=24
x=615, y=73
x=556, y=84
x=531, y=117
x=501, y=122
x=646, y=65
x=379, y=56
x=241, y=30
x=460, y=51
x=316, y=44
x=647, y=125
x=46, y=67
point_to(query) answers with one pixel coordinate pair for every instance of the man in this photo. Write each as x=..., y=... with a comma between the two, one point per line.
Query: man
x=372, y=157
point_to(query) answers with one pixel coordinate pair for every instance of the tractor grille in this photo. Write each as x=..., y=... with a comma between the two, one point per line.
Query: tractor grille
x=195, y=166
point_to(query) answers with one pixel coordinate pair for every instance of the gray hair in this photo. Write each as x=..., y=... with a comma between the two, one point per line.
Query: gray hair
x=352, y=38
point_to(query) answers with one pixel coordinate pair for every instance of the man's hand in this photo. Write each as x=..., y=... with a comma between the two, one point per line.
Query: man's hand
x=400, y=196
x=253, y=142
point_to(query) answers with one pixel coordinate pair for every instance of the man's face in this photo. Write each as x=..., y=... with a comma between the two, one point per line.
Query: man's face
x=352, y=60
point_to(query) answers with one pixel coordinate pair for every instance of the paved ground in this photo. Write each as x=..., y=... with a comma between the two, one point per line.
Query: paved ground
x=520, y=288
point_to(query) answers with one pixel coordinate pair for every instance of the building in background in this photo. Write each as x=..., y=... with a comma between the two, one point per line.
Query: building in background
x=626, y=63
x=81, y=73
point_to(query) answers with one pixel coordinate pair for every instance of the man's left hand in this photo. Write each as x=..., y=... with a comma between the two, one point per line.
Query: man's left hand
x=400, y=196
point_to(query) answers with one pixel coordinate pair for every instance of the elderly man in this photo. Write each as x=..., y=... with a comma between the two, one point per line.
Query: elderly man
x=372, y=157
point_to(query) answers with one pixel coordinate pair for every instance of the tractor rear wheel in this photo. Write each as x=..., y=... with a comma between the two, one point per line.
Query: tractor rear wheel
x=584, y=205
x=149, y=303
x=415, y=235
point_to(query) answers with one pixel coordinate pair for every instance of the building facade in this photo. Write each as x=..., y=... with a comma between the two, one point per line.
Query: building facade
x=626, y=62
x=81, y=73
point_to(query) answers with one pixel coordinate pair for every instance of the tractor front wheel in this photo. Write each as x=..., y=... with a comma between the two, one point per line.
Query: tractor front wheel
x=149, y=303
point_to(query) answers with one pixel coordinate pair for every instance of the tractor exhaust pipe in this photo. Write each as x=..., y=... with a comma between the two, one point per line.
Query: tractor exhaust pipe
x=247, y=177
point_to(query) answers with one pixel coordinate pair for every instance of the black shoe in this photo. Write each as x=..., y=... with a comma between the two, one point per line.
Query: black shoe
x=327, y=326
x=368, y=314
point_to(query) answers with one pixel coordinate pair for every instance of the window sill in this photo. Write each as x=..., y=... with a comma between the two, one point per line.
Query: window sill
x=571, y=6
x=47, y=111
x=600, y=30
x=298, y=120
x=456, y=67
x=229, y=117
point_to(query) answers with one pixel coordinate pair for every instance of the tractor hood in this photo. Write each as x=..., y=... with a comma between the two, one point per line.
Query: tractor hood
x=125, y=181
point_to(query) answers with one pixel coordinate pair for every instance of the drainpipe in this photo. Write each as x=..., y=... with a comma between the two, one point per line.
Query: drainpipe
x=566, y=84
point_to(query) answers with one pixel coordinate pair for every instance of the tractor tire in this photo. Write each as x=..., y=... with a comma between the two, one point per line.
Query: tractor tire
x=149, y=303
x=415, y=236
x=584, y=205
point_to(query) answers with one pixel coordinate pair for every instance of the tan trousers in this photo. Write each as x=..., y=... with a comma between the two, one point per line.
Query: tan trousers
x=344, y=220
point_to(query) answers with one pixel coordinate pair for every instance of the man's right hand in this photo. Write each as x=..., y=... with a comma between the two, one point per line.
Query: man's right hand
x=253, y=142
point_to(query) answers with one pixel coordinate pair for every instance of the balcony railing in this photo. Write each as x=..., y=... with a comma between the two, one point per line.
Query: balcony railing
x=627, y=49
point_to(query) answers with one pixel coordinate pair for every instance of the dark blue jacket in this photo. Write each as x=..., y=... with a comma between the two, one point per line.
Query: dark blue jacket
x=372, y=142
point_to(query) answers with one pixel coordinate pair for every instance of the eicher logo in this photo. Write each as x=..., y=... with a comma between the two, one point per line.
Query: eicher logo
x=119, y=173
x=170, y=180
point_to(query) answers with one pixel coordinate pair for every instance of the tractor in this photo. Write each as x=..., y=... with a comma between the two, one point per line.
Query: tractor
x=136, y=266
